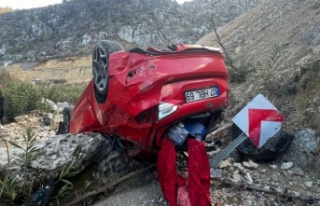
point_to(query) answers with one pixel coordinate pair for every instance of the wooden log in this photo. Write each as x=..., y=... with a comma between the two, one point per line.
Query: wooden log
x=221, y=129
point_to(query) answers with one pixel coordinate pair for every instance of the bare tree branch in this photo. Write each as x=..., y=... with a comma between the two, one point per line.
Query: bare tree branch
x=219, y=130
x=229, y=59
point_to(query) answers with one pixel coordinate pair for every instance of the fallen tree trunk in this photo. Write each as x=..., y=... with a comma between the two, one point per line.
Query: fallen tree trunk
x=310, y=198
x=221, y=129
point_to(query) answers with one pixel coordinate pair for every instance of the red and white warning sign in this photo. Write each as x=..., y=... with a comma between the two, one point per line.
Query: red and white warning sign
x=259, y=120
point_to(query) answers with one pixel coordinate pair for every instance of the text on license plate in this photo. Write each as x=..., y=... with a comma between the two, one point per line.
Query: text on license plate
x=200, y=94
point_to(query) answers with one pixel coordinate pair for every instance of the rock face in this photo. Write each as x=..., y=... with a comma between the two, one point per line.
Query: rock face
x=114, y=166
x=79, y=153
x=89, y=158
x=62, y=150
x=73, y=27
x=54, y=154
x=304, y=151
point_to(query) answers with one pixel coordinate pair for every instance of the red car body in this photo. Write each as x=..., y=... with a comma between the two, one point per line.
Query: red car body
x=139, y=81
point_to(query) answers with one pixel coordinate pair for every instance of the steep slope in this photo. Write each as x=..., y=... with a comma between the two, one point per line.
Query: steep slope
x=277, y=47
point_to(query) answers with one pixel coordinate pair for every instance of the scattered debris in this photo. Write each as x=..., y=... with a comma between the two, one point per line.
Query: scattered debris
x=236, y=176
x=216, y=173
x=251, y=164
x=267, y=188
x=249, y=179
x=225, y=163
x=273, y=167
x=286, y=165
x=309, y=183
x=298, y=171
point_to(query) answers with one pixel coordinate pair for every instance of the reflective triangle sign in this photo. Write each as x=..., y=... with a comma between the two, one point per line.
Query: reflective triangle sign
x=259, y=120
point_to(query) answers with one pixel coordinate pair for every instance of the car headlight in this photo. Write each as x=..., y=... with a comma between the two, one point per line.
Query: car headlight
x=165, y=109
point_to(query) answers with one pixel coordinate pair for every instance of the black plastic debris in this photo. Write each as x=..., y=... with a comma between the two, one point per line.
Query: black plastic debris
x=42, y=195
x=275, y=146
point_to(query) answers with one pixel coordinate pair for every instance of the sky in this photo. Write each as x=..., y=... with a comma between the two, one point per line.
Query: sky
x=28, y=4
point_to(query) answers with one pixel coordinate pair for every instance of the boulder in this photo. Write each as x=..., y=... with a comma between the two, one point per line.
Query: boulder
x=304, y=151
x=77, y=151
x=50, y=103
x=89, y=159
x=47, y=119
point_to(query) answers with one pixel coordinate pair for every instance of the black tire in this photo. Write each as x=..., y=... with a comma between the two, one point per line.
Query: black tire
x=100, y=65
x=275, y=146
x=66, y=114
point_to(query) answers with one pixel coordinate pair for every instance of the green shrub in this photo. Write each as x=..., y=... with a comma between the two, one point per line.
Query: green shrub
x=4, y=77
x=303, y=83
x=47, y=34
x=288, y=88
x=62, y=93
x=8, y=188
x=238, y=73
x=313, y=66
x=275, y=55
x=30, y=151
x=21, y=98
x=238, y=76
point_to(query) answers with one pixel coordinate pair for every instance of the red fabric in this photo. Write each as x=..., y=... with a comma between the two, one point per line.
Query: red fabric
x=196, y=192
x=183, y=196
x=198, y=174
x=167, y=174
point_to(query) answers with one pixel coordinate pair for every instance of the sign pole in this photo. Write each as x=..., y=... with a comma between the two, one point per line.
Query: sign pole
x=218, y=158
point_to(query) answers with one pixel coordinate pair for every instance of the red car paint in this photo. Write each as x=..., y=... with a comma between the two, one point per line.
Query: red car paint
x=139, y=81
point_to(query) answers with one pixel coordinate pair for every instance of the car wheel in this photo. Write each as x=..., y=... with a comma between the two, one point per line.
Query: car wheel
x=100, y=65
x=273, y=148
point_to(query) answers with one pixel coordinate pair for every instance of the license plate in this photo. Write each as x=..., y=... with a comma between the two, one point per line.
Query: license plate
x=200, y=94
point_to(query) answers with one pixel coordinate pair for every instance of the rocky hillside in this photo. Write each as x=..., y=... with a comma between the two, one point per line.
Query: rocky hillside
x=275, y=50
x=71, y=28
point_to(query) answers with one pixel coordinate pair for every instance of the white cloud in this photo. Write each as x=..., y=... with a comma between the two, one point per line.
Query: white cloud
x=182, y=1
x=27, y=4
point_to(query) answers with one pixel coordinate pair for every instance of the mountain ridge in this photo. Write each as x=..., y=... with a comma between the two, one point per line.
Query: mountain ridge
x=73, y=27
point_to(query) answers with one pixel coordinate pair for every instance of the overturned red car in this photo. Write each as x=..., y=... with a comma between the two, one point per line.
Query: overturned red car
x=139, y=96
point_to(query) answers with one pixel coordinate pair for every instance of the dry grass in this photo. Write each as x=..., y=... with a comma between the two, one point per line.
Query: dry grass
x=71, y=69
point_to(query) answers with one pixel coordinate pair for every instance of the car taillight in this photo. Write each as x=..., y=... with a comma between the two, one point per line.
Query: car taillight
x=165, y=109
